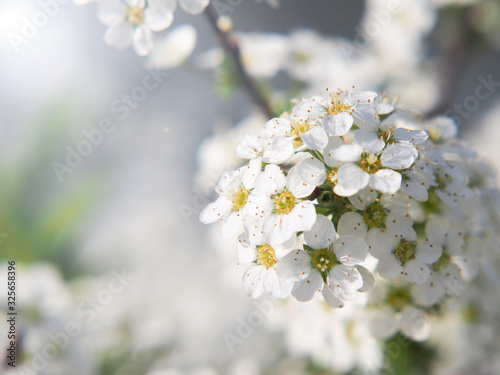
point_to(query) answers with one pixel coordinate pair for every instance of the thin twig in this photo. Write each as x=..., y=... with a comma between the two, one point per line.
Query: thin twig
x=232, y=47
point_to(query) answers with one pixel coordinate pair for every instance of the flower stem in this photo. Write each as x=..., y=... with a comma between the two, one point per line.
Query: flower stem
x=231, y=46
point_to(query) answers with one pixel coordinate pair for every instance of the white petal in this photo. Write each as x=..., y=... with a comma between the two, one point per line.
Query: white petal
x=361, y=97
x=271, y=181
x=350, y=176
x=246, y=148
x=158, y=18
x=363, y=198
x=276, y=127
x=380, y=242
x=216, y=210
x=312, y=171
x=383, y=323
x=302, y=217
x=401, y=226
x=309, y=108
x=304, y=290
x=333, y=144
x=415, y=324
x=428, y=252
x=297, y=185
x=415, y=189
x=398, y=157
x=119, y=35
x=368, y=279
x=194, y=6
x=246, y=251
x=386, y=181
x=322, y=233
x=412, y=136
x=252, y=281
x=250, y=172
x=346, y=153
x=389, y=267
x=469, y=267
x=350, y=250
x=316, y=138
x=433, y=288
x=279, y=150
x=338, y=125
x=277, y=230
x=276, y=286
x=436, y=230
x=352, y=223
x=344, y=281
x=369, y=141
x=111, y=12
x=416, y=271
x=142, y=40
x=295, y=266
x=343, y=192
x=232, y=225
x=331, y=299
x=259, y=206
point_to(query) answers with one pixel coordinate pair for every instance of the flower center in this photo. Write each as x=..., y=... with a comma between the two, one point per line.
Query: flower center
x=370, y=163
x=399, y=298
x=284, y=202
x=135, y=16
x=332, y=177
x=266, y=256
x=375, y=215
x=298, y=128
x=387, y=136
x=405, y=251
x=240, y=199
x=324, y=260
x=336, y=106
x=442, y=262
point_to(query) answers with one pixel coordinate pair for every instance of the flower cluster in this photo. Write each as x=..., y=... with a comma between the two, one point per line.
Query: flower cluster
x=348, y=190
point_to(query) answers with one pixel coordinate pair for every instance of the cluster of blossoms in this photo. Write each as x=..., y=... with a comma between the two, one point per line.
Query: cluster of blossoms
x=349, y=190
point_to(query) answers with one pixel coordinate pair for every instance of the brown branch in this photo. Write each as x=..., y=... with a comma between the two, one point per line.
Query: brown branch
x=232, y=48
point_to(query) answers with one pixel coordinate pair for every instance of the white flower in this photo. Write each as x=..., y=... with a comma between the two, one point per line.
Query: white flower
x=231, y=207
x=412, y=259
x=445, y=274
x=268, y=149
x=263, y=55
x=261, y=274
x=133, y=22
x=381, y=221
x=411, y=321
x=305, y=131
x=338, y=110
x=327, y=265
x=278, y=199
x=174, y=48
x=370, y=161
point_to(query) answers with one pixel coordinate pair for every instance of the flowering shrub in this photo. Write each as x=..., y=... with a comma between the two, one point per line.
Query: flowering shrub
x=348, y=190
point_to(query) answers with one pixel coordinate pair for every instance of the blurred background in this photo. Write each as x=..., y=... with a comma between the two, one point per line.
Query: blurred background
x=106, y=238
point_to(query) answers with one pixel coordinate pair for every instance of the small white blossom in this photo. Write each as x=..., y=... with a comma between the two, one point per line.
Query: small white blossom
x=326, y=265
x=231, y=207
